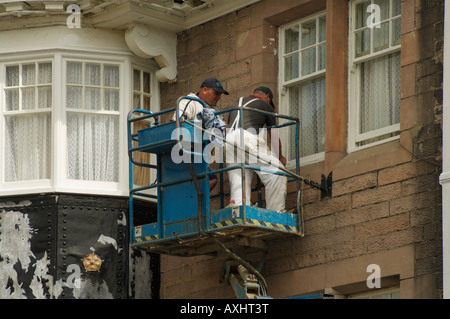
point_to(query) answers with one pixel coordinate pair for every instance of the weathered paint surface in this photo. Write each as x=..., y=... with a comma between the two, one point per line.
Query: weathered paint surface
x=43, y=240
x=15, y=252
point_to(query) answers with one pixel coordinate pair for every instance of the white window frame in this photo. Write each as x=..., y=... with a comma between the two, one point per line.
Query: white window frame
x=354, y=137
x=21, y=60
x=59, y=181
x=77, y=185
x=283, y=85
x=154, y=107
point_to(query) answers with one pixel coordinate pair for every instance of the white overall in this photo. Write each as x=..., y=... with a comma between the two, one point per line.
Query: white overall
x=275, y=184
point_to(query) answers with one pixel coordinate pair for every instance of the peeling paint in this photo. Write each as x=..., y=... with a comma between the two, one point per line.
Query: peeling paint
x=15, y=236
x=16, y=253
x=141, y=266
x=15, y=249
x=108, y=240
x=42, y=243
x=23, y=203
x=41, y=278
x=91, y=290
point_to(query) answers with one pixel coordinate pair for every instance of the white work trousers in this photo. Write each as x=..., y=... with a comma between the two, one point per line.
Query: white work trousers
x=275, y=184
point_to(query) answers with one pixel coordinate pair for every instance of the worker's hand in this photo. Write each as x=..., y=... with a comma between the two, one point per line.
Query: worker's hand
x=283, y=160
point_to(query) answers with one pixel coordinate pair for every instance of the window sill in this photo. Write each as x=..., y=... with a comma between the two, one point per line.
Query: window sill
x=371, y=159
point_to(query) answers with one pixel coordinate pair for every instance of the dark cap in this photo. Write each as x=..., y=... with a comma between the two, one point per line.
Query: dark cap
x=215, y=84
x=265, y=90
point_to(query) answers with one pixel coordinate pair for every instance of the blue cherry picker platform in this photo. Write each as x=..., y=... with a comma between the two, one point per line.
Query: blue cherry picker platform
x=187, y=223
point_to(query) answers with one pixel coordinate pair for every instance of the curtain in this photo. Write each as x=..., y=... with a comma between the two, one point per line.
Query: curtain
x=92, y=139
x=307, y=102
x=380, y=93
x=28, y=135
x=93, y=150
x=28, y=147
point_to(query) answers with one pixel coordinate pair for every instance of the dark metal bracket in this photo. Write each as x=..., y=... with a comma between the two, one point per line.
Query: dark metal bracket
x=326, y=185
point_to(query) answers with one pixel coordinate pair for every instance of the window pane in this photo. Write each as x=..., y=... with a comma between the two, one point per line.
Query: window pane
x=92, y=99
x=322, y=57
x=45, y=97
x=28, y=74
x=146, y=83
x=381, y=37
x=12, y=100
x=28, y=98
x=111, y=100
x=74, y=73
x=396, y=7
x=45, y=73
x=396, y=31
x=380, y=93
x=383, y=6
x=361, y=14
x=136, y=80
x=111, y=74
x=92, y=76
x=362, y=42
x=146, y=103
x=307, y=102
x=291, y=67
x=93, y=148
x=28, y=147
x=291, y=39
x=308, y=34
x=74, y=98
x=136, y=101
x=308, y=61
x=12, y=75
x=322, y=29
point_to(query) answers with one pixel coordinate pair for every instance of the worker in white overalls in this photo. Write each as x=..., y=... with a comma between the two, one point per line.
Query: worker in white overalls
x=270, y=158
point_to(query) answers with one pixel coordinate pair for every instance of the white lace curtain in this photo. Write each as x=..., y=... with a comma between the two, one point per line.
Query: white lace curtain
x=311, y=113
x=380, y=93
x=92, y=147
x=27, y=144
x=92, y=100
x=379, y=75
x=92, y=139
x=28, y=135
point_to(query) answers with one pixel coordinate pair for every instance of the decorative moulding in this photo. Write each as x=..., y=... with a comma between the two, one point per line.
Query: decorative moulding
x=161, y=45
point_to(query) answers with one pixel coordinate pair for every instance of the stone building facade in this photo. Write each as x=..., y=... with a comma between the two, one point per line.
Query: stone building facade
x=385, y=207
x=329, y=62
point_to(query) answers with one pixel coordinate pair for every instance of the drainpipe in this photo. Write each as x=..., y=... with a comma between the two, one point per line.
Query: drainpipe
x=444, y=178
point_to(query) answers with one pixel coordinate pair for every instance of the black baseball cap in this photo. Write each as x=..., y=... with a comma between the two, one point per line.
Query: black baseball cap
x=265, y=90
x=215, y=84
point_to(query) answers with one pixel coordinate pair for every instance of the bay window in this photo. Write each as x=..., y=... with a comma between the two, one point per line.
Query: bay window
x=63, y=121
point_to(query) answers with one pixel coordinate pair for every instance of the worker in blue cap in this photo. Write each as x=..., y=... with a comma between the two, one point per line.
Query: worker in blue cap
x=210, y=92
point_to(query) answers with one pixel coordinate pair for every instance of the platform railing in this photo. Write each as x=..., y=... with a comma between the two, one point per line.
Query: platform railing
x=136, y=115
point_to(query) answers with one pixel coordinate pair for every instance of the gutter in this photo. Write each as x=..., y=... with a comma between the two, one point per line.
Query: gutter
x=444, y=178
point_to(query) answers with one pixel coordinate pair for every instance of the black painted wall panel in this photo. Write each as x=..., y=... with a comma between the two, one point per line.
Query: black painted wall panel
x=60, y=230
